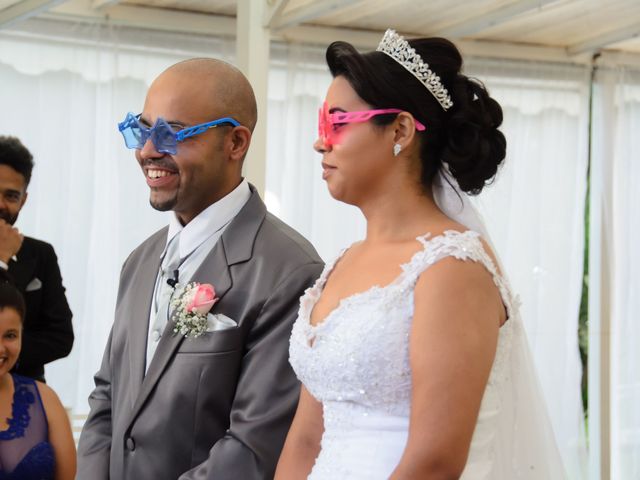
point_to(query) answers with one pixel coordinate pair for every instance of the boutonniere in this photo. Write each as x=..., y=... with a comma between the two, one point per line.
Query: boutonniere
x=192, y=307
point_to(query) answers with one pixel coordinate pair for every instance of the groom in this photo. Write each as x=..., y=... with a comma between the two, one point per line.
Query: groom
x=181, y=405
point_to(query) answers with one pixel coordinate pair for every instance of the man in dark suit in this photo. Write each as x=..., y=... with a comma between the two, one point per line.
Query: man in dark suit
x=33, y=265
x=173, y=403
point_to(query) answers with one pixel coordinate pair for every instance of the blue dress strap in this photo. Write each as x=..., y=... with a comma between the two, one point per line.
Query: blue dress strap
x=25, y=451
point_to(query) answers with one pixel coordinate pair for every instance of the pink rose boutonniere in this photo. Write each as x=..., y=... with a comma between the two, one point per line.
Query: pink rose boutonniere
x=192, y=307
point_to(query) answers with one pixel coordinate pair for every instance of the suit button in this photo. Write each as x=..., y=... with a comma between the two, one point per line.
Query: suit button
x=131, y=444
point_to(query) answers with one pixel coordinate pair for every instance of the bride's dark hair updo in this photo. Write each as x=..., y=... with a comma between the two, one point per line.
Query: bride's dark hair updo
x=465, y=137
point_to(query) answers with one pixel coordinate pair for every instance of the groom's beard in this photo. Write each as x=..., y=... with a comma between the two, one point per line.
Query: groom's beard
x=166, y=205
x=7, y=217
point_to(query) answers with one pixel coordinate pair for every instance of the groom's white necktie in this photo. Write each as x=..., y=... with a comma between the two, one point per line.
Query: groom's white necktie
x=163, y=294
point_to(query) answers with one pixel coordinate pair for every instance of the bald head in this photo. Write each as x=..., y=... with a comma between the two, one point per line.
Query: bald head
x=208, y=165
x=216, y=88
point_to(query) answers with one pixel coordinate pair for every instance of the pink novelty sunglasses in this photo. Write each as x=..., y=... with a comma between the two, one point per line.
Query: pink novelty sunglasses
x=327, y=121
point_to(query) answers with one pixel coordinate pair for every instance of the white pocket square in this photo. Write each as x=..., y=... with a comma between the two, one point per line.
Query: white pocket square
x=219, y=322
x=33, y=285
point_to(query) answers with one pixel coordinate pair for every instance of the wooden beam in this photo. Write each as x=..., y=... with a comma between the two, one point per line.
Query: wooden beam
x=617, y=58
x=274, y=11
x=368, y=40
x=599, y=42
x=253, y=43
x=219, y=25
x=500, y=15
x=310, y=12
x=22, y=10
x=600, y=290
x=323, y=36
x=99, y=4
x=146, y=17
x=368, y=9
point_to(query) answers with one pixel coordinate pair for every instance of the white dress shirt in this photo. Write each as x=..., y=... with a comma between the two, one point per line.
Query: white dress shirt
x=197, y=239
x=4, y=266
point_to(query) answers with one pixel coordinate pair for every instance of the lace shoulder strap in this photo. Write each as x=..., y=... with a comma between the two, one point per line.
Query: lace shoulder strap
x=463, y=246
x=329, y=266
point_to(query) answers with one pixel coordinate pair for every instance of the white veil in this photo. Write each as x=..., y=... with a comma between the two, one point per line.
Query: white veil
x=527, y=448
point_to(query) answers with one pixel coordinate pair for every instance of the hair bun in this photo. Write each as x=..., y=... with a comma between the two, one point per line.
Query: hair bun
x=464, y=137
x=475, y=147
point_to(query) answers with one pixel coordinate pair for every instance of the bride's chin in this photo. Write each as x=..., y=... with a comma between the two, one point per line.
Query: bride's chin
x=342, y=196
x=335, y=191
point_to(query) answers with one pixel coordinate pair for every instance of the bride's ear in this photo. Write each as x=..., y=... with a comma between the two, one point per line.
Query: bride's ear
x=405, y=130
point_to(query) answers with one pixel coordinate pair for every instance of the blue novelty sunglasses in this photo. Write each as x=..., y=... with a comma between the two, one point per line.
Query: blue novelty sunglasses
x=164, y=138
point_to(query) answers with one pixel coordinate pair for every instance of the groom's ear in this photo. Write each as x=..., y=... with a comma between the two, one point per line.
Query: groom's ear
x=237, y=143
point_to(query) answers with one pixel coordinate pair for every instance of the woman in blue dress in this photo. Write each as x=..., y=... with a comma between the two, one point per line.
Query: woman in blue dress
x=35, y=436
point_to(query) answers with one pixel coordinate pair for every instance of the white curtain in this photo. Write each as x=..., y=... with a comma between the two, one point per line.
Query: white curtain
x=534, y=212
x=616, y=149
x=64, y=88
x=295, y=191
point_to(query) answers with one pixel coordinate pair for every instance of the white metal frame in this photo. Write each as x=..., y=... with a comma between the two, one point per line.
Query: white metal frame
x=25, y=9
x=602, y=41
x=252, y=47
x=98, y=4
x=308, y=12
x=144, y=17
x=599, y=313
x=493, y=18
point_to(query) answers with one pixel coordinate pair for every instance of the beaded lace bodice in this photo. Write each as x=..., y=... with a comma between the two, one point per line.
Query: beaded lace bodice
x=356, y=362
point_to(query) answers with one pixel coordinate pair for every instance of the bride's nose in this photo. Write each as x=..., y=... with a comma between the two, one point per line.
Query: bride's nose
x=321, y=146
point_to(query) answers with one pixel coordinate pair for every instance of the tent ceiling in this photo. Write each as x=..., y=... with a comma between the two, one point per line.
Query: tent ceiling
x=219, y=7
x=576, y=27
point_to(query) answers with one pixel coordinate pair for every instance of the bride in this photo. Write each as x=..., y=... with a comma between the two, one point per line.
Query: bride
x=410, y=347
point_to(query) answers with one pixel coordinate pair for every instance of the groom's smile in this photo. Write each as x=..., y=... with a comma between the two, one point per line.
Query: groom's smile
x=162, y=175
x=158, y=177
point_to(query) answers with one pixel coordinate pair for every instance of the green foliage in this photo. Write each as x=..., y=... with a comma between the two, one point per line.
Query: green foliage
x=583, y=321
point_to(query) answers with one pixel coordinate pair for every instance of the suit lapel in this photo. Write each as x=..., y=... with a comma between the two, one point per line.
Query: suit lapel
x=235, y=245
x=22, y=271
x=213, y=269
x=140, y=311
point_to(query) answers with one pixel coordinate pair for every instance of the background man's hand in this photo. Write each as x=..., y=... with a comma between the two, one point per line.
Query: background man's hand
x=10, y=241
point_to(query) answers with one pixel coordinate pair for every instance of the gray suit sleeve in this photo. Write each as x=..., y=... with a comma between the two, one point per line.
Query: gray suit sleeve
x=267, y=391
x=94, y=447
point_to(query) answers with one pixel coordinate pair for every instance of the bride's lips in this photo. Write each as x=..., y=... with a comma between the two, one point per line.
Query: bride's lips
x=160, y=176
x=326, y=170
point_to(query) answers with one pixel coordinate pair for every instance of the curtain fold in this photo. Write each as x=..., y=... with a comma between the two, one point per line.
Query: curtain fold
x=617, y=151
x=535, y=215
x=298, y=81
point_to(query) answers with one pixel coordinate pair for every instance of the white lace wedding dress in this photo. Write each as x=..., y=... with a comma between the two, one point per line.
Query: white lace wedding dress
x=356, y=362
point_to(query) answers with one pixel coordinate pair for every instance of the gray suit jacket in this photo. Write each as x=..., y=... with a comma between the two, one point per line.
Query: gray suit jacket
x=214, y=407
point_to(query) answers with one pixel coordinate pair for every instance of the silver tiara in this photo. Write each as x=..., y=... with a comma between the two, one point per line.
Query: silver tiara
x=399, y=49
